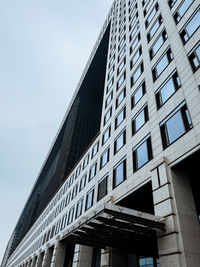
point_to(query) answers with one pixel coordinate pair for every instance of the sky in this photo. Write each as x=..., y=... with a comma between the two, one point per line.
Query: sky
x=44, y=47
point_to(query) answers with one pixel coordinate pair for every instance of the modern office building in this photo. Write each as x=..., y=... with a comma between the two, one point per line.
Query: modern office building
x=119, y=186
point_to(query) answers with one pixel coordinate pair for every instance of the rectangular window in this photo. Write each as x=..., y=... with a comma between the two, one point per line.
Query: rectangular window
x=106, y=135
x=108, y=115
x=175, y=125
x=133, y=21
x=162, y=64
x=71, y=216
x=120, y=141
x=137, y=73
x=122, y=42
x=121, y=65
x=122, y=52
x=89, y=199
x=109, y=99
x=75, y=190
x=78, y=170
x=83, y=182
x=154, y=28
x=140, y=119
x=110, y=84
x=120, y=117
x=58, y=227
x=138, y=94
x=68, y=198
x=64, y=219
x=104, y=158
x=158, y=44
x=102, y=188
x=135, y=57
x=181, y=10
x=171, y=3
x=133, y=33
x=148, y=6
x=165, y=91
x=79, y=208
x=142, y=153
x=120, y=97
x=134, y=43
x=194, y=57
x=111, y=71
x=121, y=80
x=121, y=32
x=93, y=171
x=86, y=161
x=111, y=61
x=191, y=26
x=71, y=179
x=95, y=149
x=119, y=173
x=151, y=15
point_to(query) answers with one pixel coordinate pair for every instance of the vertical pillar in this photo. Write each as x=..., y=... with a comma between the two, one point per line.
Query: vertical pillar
x=106, y=257
x=82, y=256
x=47, y=257
x=40, y=259
x=34, y=261
x=59, y=252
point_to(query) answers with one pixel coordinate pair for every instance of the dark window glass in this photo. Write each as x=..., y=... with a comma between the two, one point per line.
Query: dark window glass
x=79, y=208
x=75, y=190
x=181, y=10
x=106, y=135
x=78, y=170
x=71, y=216
x=142, y=153
x=191, y=26
x=138, y=94
x=135, y=57
x=161, y=64
x=120, y=97
x=68, y=198
x=171, y=3
x=121, y=65
x=151, y=15
x=120, y=141
x=64, y=219
x=158, y=44
x=140, y=119
x=175, y=125
x=102, y=188
x=154, y=28
x=148, y=6
x=120, y=117
x=58, y=227
x=104, y=158
x=95, y=149
x=170, y=86
x=121, y=80
x=92, y=171
x=194, y=57
x=134, y=43
x=83, y=182
x=137, y=73
x=89, y=199
x=108, y=115
x=109, y=99
x=119, y=173
x=86, y=161
x=71, y=179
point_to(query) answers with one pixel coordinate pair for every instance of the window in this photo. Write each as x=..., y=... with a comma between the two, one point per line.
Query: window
x=111, y=72
x=78, y=170
x=106, y=135
x=122, y=52
x=171, y=3
x=142, y=153
x=68, y=197
x=122, y=42
x=191, y=26
x=161, y=64
x=95, y=149
x=157, y=44
x=136, y=56
x=175, y=125
x=121, y=32
x=109, y=99
x=194, y=57
x=121, y=65
x=108, y=115
x=83, y=182
x=119, y=173
x=102, y=188
x=134, y=43
x=120, y=141
x=133, y=21
x=75, y=190
x=89, y=199
x=138, y=94
x=71, y=216
x=148, y=6
x=120, y=117
x=170, y=86
x=93, y=170
x=181, y=10
x=111, y=61
x=154, y=28
x=137, y=73
x=110, y=85
x=140, y=119
x=64, y=218
x=132, y=35
x=79, y=208
x=121, y=80
x=120, y=97
x=52, y=231
x=71, y=180
x=58, y=227
x=151, y=15
x=132, y=12
x=86, y=161
x=104, y=158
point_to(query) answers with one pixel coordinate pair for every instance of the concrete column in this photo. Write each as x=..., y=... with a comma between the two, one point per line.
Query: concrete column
x=40, y=259
x=106, y=257
x=48, y=257
x=34, y=261
x=82, y=256
x=173, y=200
x=58, y=257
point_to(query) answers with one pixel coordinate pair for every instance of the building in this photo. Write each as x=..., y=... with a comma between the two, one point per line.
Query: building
x=119, y=186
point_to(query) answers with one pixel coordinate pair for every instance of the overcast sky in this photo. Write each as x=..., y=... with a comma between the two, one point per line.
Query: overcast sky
x=44, y=47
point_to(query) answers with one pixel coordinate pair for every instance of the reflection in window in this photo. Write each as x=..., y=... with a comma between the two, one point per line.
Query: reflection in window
x=151, y=15
x=194, y=57
x=108, y=115
x=83, y=182
x=137, y=73
x=109, y=99
x=138, y=94
x=121, y=65
x=93, y=170
x=104, y=158
x=157, y=44
x=120, y=141
x=134, y=43
x=120, y=117
x=71, y=216
x=119, y=173
x=102, y=188
x=79, y=208
x=89, y=199
x=140, y=119
x=136, y=56
x=95, y=149
x=154, y=28
x=175, y=125
x=120, y=97
x=106, y=135
x=121, y=80
x=181, y=10
x=148, y=6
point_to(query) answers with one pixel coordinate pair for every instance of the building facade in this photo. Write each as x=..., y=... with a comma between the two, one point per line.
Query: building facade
x=119, y=186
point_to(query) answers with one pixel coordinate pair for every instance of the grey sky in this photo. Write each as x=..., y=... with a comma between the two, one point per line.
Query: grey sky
x=44, y=47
